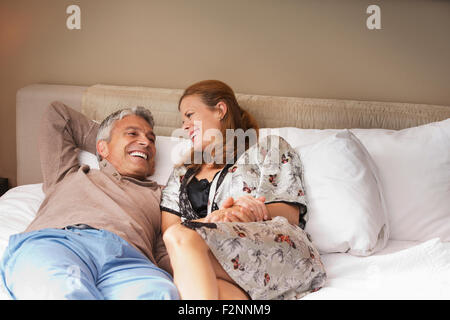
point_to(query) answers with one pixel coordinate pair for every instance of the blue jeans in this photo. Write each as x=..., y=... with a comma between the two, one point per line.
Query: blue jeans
x=80, y=264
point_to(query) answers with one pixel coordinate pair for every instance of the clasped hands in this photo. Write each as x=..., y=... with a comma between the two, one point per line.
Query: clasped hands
x=243, y=209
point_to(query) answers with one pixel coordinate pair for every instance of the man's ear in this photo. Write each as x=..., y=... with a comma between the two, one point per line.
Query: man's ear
x=102, y=148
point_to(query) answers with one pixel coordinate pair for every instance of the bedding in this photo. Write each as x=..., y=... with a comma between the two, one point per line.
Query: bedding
x=386, y=274
x=345, y=201
x=18, y=207
x=402, y=270
x=413, y=166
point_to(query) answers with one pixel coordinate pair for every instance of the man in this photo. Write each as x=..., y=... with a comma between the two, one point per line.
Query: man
x=97, y=234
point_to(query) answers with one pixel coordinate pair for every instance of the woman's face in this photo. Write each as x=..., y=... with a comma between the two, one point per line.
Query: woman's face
x=199, y=121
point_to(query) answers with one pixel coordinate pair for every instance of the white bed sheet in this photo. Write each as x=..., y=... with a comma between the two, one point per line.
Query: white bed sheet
x=402, y=270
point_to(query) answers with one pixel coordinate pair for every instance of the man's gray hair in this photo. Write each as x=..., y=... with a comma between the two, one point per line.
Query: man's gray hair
x=104, y=131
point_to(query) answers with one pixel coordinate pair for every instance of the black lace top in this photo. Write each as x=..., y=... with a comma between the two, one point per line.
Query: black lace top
x=198, y=193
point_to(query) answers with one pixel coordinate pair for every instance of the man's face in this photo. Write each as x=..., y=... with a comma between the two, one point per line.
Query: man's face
x=131, y=149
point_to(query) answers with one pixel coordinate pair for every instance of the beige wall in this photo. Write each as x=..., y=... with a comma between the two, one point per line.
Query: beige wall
x=280, y=47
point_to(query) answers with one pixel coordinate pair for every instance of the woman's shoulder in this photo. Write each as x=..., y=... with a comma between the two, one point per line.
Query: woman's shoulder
x=179, y=170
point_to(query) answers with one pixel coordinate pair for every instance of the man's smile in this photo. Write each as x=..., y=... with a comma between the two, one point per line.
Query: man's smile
x=140, y=154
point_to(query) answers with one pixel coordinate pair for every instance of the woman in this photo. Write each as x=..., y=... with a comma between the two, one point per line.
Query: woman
x=233, y=212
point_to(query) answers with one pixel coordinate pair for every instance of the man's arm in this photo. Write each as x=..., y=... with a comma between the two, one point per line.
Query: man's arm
x=63, y=133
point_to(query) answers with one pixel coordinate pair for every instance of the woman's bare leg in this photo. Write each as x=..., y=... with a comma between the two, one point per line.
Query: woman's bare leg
x=197, y=273
x=228, y=289
x=193, y=273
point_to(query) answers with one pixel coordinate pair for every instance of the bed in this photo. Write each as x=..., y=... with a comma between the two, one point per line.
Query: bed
x=377, y=179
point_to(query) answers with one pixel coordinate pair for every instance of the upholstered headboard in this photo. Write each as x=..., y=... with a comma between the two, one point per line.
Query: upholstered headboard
x=271, y=112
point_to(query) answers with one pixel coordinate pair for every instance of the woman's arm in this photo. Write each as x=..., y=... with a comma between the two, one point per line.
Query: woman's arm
x=289, y=211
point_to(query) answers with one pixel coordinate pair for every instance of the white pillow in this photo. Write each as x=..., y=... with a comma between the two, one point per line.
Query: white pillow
x=414, y=166
x=345, y=201
x=297, y=137
x=414, y=169
x=18, y=208
x=169, y=150
x=87, y=158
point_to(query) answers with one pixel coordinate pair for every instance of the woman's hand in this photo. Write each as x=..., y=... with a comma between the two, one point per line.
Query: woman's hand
x=254, y=209
x=253, y=206
x=230, y=214
x=244, y=209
